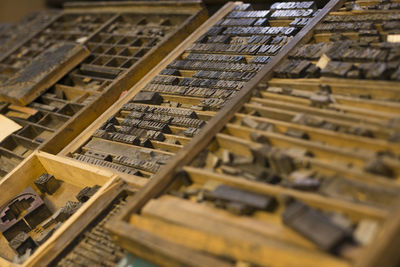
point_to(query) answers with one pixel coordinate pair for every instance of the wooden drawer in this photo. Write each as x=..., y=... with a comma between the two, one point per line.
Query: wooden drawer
x=125, y=41
x=21, y=214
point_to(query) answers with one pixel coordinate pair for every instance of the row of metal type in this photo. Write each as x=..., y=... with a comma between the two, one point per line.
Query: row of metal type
x=264, y=135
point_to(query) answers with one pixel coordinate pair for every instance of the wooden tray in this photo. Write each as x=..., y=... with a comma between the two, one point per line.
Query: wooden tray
x=119, y=56
x=74, y=176
x=186, y=102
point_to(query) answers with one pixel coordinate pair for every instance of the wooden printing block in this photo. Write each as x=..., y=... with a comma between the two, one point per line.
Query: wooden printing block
x=274, y=158
x=44, y=107
x=249, y=122
x=45, y=235
x=259, y=138
x=342, y=188
x=315, y=226
x=359, y=130
x=20, y=259
x=153, y=98
x=47, y=183
x=260, y=153
x=254, y=201
x=131, y=122
x=113, y=120
x=101, y=134
x=366, y=231
x=238, y=208
x=395, y=75
x=86, y=193
x=377, y=166
x=354, y=74
x=320, y=100
x=312, y=72
x=98, y=155
x=155, y=135
x=23, y=213
x=39, y=75
x=158, y=118
x=374, y=70
x=306, y=184
x=259, y=173
x=308, y=120
x=155, y=126
x=296, y=133
x=22, y=242
x=230, y=170
x=125, y=138
x=99, y=71
x=191, y=132
x=65, y=212
x=146, y=143
x=336, y=69
x=108, y=127
x=395, y=137
x=294, y=68
x=283, y=69
x=47, y=223
x=188, y=122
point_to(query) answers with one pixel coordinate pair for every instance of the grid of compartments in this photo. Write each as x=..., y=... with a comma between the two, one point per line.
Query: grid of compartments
x=128, y=38
x=12, y=34
x=308, y=169
x=172, y=108
x=68, y=27
x=53, y=108
x=122, y=40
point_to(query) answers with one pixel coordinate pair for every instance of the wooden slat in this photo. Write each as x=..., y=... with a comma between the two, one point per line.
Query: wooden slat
x=223, y=244
x=353, y=210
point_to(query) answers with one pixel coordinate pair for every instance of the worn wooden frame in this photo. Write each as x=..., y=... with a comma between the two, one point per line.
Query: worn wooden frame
x=77, y=174
x=72, y=126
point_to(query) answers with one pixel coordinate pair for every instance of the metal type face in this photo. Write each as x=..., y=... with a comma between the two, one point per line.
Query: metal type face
x=327, y=235
x=22, y=242
x=233, y=195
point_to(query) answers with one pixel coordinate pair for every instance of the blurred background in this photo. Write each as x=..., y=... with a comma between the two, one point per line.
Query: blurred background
x=14, y=10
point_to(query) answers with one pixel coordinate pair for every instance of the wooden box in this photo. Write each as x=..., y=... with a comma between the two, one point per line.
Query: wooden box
x=125, y=41
x=74, y=176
